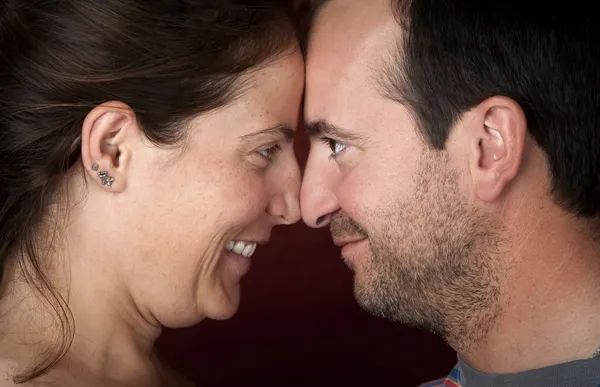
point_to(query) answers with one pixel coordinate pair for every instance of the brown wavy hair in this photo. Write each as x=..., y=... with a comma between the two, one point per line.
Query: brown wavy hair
x=169, y=60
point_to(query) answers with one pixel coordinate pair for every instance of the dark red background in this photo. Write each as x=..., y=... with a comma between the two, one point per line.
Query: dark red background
x=299, y=325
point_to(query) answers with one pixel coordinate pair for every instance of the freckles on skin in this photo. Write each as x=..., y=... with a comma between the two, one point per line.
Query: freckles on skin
x=190, y=206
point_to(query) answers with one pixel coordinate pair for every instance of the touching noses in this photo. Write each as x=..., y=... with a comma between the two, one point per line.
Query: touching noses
x=285, y=205
x=317, y=199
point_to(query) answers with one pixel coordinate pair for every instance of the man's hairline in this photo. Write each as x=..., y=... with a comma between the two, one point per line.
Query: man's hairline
x=385, y=77
x=385, y=74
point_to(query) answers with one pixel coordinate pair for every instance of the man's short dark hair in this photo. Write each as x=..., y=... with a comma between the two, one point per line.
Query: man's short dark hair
x=454, y=54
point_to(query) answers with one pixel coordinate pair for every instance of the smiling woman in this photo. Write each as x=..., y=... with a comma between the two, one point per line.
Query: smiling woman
x=145, y=151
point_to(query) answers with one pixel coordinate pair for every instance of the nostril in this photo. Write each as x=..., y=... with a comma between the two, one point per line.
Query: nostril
x=321, y=219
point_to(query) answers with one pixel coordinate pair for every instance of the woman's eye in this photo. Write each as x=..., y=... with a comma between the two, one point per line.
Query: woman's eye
x=269, y=153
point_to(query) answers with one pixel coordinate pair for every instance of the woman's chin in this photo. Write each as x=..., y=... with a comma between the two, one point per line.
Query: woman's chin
x=218, y=299
x=225, y=304
x=220, y=305
x=224, y=314
x=225, y=300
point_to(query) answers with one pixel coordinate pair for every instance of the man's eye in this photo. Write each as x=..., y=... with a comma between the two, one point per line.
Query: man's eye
x=335, y=146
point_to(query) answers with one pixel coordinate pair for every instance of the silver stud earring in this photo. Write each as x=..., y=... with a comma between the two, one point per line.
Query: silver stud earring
x=106, y=180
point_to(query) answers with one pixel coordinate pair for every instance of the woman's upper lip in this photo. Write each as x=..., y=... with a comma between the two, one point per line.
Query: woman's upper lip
x=345, y=241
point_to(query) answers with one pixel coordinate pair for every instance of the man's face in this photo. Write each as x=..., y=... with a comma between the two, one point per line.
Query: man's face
x=416, y=243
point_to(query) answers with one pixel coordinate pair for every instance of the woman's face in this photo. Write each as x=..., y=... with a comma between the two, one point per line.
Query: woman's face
x=187, y=209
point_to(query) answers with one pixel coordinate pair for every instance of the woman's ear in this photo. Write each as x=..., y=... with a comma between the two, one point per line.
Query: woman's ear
x=106, y=135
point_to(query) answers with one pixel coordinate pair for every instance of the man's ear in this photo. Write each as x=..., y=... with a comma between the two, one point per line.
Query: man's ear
x=106, y=135
x=497, y=131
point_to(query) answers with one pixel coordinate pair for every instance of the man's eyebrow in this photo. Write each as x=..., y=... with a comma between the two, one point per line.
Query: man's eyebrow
x=327, y=129
x=274, y=131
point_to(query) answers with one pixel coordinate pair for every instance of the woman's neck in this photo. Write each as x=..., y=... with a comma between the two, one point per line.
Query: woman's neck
x=111, y=340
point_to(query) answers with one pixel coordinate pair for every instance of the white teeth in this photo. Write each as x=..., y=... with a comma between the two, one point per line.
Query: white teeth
x=246, y=249
x=239, y=247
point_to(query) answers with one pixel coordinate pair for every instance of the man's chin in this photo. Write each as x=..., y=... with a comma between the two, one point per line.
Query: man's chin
x=395, y=306
x=367, y=297
x=370, y=304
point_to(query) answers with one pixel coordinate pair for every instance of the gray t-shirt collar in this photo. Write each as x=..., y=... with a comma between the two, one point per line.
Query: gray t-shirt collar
x=579, y=373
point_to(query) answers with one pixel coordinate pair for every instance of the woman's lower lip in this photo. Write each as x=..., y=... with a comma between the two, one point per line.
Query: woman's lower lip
x=241, y=263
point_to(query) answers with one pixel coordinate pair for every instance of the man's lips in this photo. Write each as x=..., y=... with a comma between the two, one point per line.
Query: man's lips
x=340, y=242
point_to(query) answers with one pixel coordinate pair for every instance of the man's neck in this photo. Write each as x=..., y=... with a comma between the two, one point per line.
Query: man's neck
x=551, y=304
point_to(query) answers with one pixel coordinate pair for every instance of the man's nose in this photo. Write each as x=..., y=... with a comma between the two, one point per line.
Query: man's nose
x=317, y=199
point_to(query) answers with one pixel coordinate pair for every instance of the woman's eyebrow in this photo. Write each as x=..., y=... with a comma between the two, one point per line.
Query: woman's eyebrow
x=274, y=131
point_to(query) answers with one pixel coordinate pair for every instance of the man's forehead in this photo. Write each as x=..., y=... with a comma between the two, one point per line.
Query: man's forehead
x=354, y=29
x=351, y=42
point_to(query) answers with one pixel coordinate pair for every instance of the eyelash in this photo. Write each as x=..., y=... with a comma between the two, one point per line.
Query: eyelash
x=331, y=143
x=269, y=153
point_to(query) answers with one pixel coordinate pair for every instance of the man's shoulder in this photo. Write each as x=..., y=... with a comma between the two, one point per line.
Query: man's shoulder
x=455, y=377
x=452, y=380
